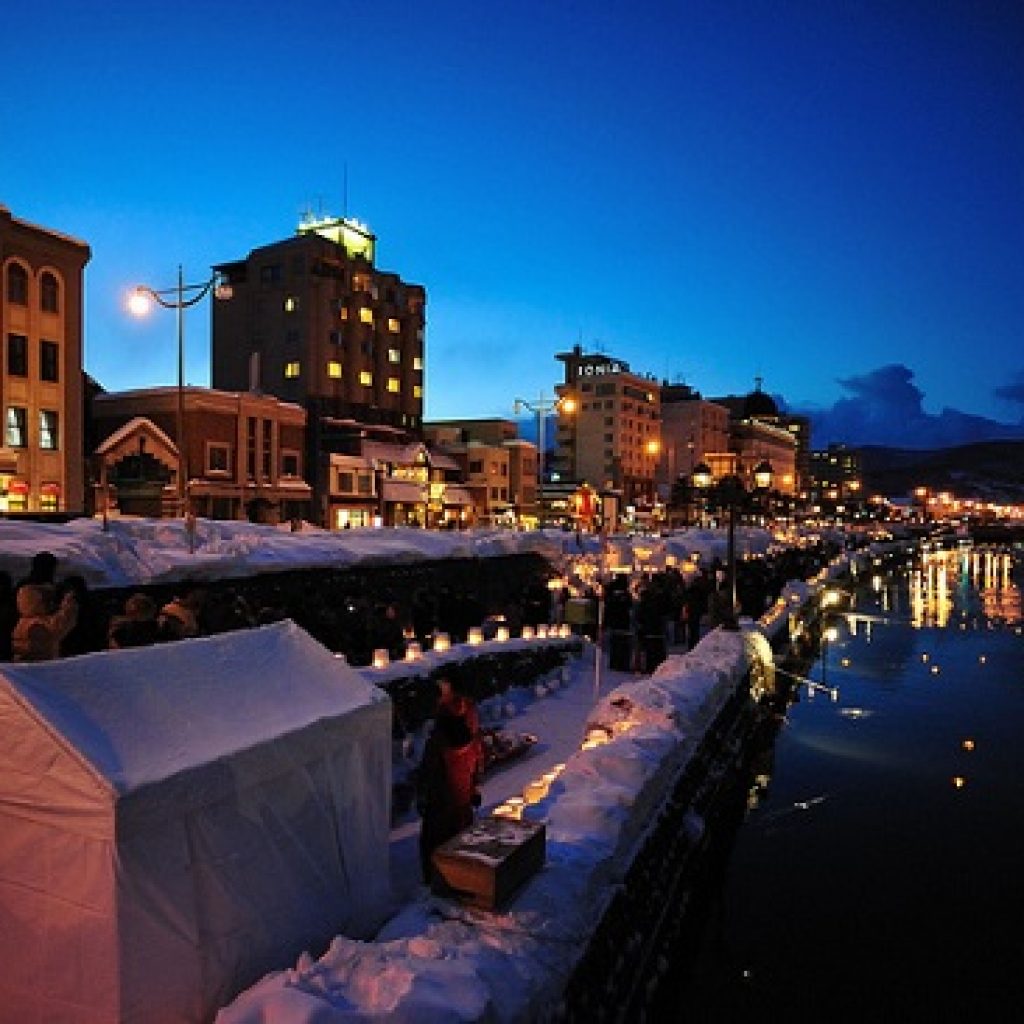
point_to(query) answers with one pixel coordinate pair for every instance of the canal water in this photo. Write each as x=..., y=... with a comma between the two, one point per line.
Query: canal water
x=878, y=872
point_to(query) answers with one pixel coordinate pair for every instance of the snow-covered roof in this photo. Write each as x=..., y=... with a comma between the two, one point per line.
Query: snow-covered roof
x=144, y=714
x=137, y=423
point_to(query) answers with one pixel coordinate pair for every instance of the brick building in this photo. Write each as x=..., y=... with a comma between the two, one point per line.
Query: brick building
x=41, y=463
x=312, y=320
x=243, y=454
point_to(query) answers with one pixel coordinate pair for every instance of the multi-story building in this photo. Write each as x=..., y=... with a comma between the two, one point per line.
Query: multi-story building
x=41, y=464
x=609, y=426
x=693, y=430
x=312, y=320
x=756, y=434
x=242, y=454
x=836, y=483
x=455, y=437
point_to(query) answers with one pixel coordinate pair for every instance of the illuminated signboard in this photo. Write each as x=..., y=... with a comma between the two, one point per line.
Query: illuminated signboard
x=357, y=239
x=601, y=369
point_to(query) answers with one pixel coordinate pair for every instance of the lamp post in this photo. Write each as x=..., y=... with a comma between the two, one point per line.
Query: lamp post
x=731, y=493
x=541, y=406
x=178, y=298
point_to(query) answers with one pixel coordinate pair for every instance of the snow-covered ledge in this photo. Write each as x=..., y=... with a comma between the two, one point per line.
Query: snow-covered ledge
x=438, y=961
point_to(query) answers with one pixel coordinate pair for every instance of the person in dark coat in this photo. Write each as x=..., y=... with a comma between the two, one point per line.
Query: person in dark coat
x=447, y=785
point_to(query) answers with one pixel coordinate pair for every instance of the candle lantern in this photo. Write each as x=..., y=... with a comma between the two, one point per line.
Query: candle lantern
x=502, y=634
x=413, y=650
x=381, y=658
x=528, y=632
x=475, y=636
x=442, y=642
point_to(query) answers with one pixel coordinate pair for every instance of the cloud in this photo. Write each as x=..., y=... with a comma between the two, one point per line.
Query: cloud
x=885, y=407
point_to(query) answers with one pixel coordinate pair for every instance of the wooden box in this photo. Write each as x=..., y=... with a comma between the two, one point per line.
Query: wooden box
x=487, y=862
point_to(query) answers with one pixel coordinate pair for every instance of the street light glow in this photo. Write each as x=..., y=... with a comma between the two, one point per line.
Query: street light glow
x=139, y=303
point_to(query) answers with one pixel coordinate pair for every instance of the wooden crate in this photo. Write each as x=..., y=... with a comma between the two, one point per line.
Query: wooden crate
x=487, y=862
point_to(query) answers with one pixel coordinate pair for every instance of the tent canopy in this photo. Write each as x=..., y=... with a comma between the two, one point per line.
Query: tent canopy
x=177, y=820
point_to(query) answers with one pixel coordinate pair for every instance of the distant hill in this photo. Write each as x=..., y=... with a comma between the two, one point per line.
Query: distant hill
x=986, y=470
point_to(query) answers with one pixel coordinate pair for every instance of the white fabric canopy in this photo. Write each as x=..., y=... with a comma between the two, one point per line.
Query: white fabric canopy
x=177, y=820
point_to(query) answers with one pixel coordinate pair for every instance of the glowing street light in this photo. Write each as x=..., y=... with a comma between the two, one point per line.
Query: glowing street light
x=731, y=493
x=541, y=406
x=178, y=298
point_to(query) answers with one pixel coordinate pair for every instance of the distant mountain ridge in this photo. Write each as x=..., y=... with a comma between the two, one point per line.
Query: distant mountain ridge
x=985, y=470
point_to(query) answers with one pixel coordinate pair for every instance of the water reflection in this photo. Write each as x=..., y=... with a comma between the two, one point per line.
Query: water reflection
x=944, y=579
x=907, y=793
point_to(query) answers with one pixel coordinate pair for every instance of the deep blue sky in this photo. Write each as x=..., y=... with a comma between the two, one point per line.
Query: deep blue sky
x=712, y=191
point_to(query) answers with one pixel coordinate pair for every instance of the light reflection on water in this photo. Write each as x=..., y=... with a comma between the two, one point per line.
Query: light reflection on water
x=897, y=897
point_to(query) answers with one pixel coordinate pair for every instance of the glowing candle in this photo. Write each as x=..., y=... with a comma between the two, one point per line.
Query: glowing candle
x=381, y=658
x=413, y=650
x=442, y=642
x=475, y=636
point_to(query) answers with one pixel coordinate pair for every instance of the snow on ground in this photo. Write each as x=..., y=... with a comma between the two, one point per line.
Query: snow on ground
x=436, y=961
x=140, y=551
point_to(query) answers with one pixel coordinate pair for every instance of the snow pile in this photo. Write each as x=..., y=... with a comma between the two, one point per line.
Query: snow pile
x=134, y=552
x=139, y=551
x=438, y=962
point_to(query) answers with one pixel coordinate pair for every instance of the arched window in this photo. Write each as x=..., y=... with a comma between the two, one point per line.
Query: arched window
x=49, y=293
x=17, y=285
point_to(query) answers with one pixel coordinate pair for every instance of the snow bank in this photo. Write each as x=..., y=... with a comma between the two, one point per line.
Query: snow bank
x=439, y=962
x=140, y=551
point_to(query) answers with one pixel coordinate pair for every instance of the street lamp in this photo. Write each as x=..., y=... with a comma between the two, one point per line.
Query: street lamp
x=731, y=493
x=178, y=298
x=541, y=406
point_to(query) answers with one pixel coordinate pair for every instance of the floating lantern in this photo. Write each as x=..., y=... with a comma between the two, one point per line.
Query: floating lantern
x=959, y=781
x=542, y=632
x=442, y=642
x=502, y=635
x=413, y=650
x=565, y=631
x=475, y=636
x=381, y=658
x=968, y=745
x=527, y=633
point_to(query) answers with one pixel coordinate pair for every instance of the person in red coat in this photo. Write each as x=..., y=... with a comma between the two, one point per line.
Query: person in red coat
x=448, y=783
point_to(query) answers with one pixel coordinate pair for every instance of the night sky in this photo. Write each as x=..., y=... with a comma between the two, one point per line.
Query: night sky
x=827, y=195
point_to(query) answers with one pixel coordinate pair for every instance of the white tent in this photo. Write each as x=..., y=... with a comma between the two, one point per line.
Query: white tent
x=175, y=821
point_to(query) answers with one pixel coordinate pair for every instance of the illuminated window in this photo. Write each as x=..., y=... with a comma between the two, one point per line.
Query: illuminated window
x=48, y=500
x=48, y=430
x=366, y=378
x=394, y=356
x=291, y=304
x=394, y=385
x=17, y=285
x=17, y=427
x=334, y=369
x=417, y=362
x=366, y=314
x=49, y=293
x=291, y=370
x=417, y=391
x=344, y=313
x=393, y=325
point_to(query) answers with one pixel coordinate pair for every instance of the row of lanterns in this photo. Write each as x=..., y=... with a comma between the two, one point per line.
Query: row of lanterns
x=442, y=641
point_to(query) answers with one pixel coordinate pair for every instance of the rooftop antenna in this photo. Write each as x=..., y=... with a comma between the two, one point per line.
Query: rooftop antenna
x=758, y=381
